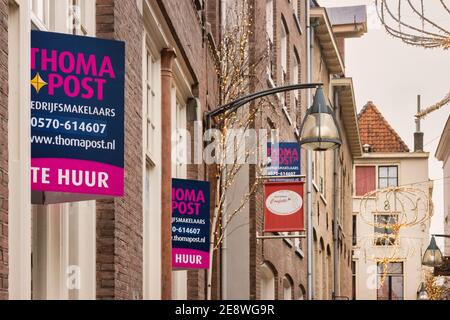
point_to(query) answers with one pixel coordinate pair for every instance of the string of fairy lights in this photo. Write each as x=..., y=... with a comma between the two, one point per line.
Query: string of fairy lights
x=423, y=31
x=390, y=211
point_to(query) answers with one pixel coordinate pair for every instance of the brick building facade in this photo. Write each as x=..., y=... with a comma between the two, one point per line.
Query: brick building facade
x=286, y=259
x=119, y=221
x=277, y=267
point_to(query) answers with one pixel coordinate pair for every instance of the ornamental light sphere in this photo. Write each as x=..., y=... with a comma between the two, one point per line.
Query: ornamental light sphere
x=319, y=130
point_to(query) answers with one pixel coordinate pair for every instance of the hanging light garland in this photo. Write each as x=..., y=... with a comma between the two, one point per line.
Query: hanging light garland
x=422, y=31
x=411, y=206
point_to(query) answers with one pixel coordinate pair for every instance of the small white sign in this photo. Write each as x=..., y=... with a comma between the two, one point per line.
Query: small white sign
x=284, y=202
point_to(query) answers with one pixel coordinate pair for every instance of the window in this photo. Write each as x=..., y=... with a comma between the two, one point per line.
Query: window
x=295, y=80
x=284, y=53
x=302, y=292
x=298, y=242
x=353, y=280
x=287, y=289
x=364, y=179
x=392, y=286
x=387, y=177
x=180, y=143
x=270, y=36
x=40, y=13
x=322, y=173
x=284, y=61
x=60, y=270
x=269, y=19
x=354, y=231
x=295, y=8
x=384, y=234
x=78, y=10
x=152, y=233
x=150, y=104
x=267, y=283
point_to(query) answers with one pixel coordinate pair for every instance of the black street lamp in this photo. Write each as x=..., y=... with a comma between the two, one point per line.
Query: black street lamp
x=319, y=130
x=433, y=255
x=422, y=293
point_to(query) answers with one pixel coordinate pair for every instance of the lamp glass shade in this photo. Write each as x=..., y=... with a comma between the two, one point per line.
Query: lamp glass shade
x=422, y=293
x=433, y=255
x=319, y=130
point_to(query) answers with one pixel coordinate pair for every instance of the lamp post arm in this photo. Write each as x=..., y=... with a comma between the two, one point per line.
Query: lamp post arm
x=236, y=104
x=441, y=235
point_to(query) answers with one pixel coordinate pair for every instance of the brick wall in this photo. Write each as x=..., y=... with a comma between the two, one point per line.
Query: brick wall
x=280, y=255
x=186, y=26
x=120, y=221
x=3, y=149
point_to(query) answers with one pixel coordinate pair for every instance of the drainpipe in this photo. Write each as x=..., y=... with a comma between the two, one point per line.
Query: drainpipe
x=167, y=57
x=335, y=214
x=309, y=159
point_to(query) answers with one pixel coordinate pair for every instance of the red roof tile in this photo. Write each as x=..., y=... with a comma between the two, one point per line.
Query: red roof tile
x=376, y=131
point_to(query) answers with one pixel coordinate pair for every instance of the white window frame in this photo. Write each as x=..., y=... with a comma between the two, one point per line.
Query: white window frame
x=179, y=170
x=19, y=202
x=40, y=13
x=295, y=80
x=295, y=7
x=82, y=22
x=270, y=37
x=152, y=75
x=65, y=228
x=152, y=171
x=388, y=167
x=284, y=61
x=287, y=289
x=283, y=49
x=267, y=281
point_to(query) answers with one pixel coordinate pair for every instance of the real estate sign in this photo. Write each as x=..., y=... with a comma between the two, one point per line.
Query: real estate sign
x=190, y=224
x=285, y=159
x=77, y=114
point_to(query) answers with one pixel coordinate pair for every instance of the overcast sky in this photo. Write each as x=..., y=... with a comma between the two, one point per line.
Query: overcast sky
x=392, y=74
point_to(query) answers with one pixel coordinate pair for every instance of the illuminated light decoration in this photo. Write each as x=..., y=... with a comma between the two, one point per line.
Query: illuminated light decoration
x=410, y=206
x=423, y=32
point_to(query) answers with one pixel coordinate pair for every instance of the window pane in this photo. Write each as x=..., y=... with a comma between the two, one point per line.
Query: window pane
x=393, y=172
x=393, y=182
x=383, y=172
x=383, y=291
x=149, y=69
x=383, y=229
x=397, y=287
x=395, y=268
x=382, y=183
x=269, y=19
x=392, y=288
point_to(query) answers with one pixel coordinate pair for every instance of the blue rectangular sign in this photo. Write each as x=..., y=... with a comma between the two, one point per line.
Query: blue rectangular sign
x=285, y=158
x=77, y=114
x=190, y=224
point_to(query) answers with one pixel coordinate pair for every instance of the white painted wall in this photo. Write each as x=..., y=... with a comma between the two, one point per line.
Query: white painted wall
x=447, y=204
x=236, y=248
x=413, y=240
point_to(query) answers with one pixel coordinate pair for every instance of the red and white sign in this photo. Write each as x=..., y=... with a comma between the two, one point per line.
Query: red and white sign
x=284, y=207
